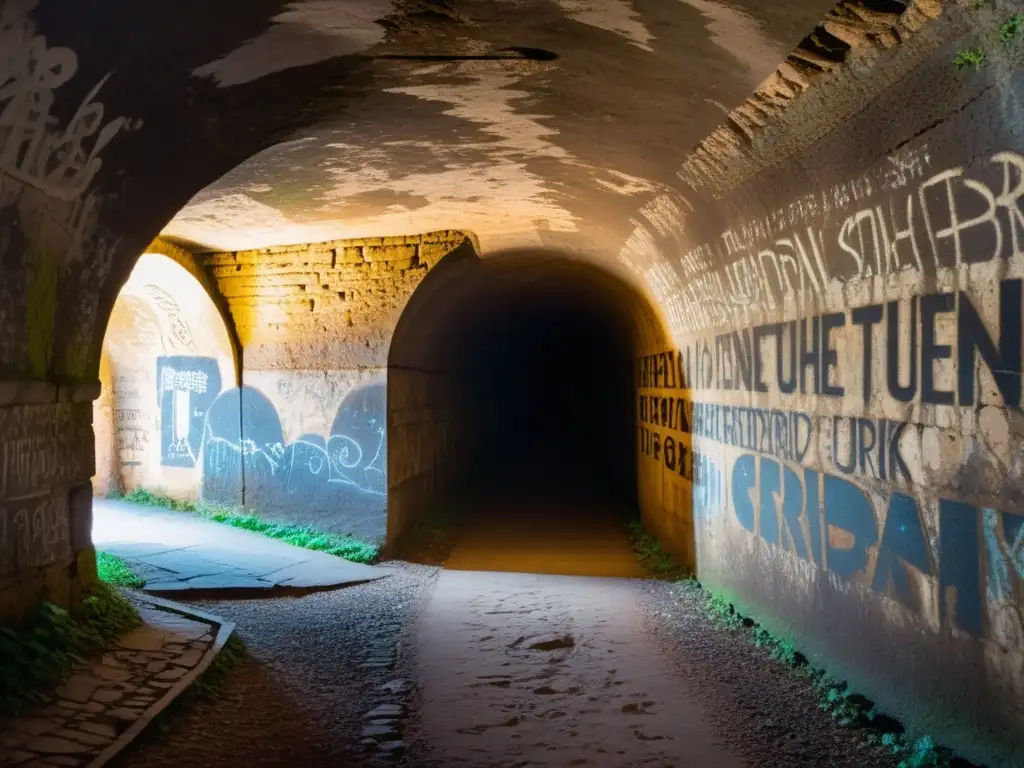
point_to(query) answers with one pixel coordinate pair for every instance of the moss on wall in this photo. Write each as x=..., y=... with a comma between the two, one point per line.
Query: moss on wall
x=41, y=312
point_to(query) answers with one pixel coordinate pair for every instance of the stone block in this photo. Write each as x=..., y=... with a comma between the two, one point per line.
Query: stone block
x=45, y=446
x=79, y=393
x=434, y=252
x=389, y=253
x=34, y=533
x=349, y=255
x=85, y=567
x=80, y=517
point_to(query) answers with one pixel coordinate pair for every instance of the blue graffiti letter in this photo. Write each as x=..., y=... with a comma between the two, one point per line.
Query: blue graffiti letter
x=768, y=516
x=903, y=544
x=742, y=484
x=848, y=510
x=959, y=569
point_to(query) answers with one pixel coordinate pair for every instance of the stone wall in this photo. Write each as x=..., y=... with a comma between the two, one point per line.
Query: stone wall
x=315, y=324
x=425, y=432
x=45, y=497
x=846, y=382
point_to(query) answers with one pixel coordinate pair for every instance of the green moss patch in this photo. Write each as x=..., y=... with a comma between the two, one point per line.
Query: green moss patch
x=35, y=659
x=847, y=707
x=113, y=570
x=305, y=536
x=651, y=555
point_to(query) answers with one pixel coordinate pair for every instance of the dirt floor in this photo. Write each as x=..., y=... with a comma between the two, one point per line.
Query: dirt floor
x=479, y=664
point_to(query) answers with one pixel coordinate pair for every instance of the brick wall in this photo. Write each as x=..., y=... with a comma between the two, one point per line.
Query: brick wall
x=324, y=306
x=314, y=323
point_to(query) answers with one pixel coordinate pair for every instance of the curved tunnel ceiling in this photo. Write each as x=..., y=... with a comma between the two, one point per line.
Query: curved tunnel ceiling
x=556, y=153
x=465, y=296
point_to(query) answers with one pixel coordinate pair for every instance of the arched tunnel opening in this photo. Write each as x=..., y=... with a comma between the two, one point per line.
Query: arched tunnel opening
x=167, y=356
x=512, y=398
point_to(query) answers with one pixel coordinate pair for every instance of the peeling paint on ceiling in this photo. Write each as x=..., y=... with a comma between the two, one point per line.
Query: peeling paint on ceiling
x=616, y=16
x=307, y=32
x=514, y=150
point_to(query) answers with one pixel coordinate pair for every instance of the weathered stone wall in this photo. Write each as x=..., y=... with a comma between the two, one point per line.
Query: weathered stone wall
x=167, y=354
x=847, y=381
x=52, y=258
x=45, y=496
x=315, y=323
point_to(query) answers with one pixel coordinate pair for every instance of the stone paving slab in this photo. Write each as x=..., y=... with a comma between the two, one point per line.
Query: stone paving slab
x=107, y=701
x=179, y=553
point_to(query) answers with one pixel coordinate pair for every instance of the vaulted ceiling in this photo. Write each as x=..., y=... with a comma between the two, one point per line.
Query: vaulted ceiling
x=526, y=122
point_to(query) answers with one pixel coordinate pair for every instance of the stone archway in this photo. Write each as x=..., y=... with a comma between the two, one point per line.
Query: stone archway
x=167, y=355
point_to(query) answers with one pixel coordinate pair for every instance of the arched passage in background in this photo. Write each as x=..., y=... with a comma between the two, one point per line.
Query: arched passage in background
x=166, y=357
x=512, y=392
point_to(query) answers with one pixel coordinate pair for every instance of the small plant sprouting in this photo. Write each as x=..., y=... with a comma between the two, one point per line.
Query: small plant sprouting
x=114, y=570
x=1010, y=29
x=971, y=57
x=651, y=555
x=307, y=537
x=846, y=707
x=34, y=659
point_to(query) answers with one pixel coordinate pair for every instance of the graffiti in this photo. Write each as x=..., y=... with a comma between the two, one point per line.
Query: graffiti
x=131, y=423
x=903, y=220
x=37, y=151
x=33, y=532
x=312, y=468
x=872, y=447
x=42, y=447
x=132, y=445
x=974, y=568
x=668, y=450
x=800, y=356
x=186, y=388
x=179, y=327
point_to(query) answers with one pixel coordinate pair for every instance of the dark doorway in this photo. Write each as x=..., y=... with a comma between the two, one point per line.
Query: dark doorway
x=544, y=377
x=511, y=397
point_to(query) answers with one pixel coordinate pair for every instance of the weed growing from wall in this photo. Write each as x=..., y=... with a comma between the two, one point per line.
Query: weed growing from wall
x=1011, y=29
x=33, y=660
x=307, y=537
x=973, y=57
x=848, y=708
x=1009, y=32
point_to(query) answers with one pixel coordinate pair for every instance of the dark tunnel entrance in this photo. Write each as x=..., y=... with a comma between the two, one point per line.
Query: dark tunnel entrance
x=511, y=396
x=544, y=379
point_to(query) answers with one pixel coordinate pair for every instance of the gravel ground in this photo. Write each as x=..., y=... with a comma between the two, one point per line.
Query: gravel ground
x=300, y=697
x=770, y=710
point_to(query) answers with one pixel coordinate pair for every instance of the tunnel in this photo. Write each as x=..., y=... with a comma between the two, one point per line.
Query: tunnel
x=736, y=283
x=527, y=361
